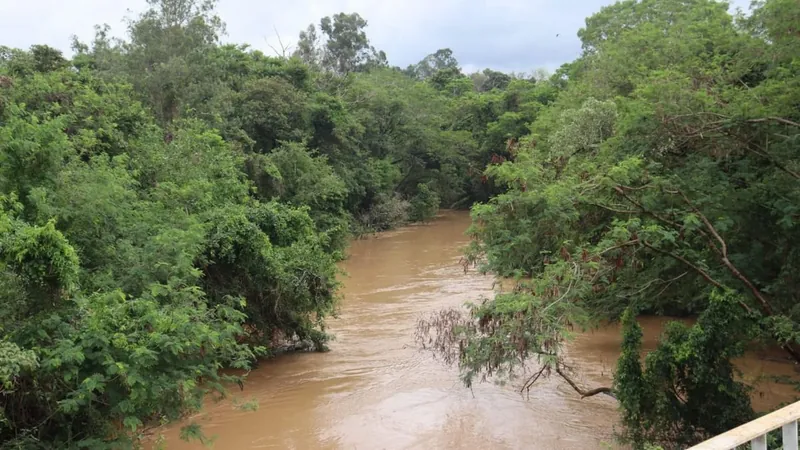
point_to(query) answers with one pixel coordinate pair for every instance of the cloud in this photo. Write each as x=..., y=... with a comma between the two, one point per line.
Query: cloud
x=506, y=35
x=501, y=34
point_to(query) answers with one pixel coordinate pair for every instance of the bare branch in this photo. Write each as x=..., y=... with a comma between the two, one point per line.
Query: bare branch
x=585, y=393
x=669, y=283
x=659, y=280
x=284, y=49
x=575, y=274
x=526, y=387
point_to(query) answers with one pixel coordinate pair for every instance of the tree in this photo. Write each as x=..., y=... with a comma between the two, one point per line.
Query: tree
x=171, y=206
x=656, y=178
x=135, y=260
x=689, y=375
x=165, y=52
x=490, y=79
x=442, y=59
x=271, y=110
x=424, y=204
x=346, y=48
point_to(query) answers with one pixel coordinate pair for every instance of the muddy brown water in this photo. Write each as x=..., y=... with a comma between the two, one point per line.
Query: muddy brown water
x=375, y=390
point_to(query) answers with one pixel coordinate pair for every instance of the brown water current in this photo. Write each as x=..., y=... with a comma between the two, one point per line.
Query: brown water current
x=376, y=390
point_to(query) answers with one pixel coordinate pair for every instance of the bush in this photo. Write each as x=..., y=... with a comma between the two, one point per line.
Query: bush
x=424, y=204
x=387, y=212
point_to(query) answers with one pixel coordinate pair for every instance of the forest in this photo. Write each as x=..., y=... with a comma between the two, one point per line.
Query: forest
x=172, y=207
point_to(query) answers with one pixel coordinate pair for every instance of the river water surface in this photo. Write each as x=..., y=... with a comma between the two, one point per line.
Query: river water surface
x=375, y=390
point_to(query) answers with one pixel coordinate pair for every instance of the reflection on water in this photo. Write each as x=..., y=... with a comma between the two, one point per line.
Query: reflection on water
x=375, y=390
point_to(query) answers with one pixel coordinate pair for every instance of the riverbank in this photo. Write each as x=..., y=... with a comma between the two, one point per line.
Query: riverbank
x=375, y=389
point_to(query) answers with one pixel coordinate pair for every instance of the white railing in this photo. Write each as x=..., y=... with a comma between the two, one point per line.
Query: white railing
x=755, y=432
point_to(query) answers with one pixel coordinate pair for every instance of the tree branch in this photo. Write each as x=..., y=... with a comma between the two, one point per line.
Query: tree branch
x=775, y=119
x=585, y=393
x=624, y=244
x=728, y=119
x=766, y=307
x=530, y=381
x=724, y=246
x=621, y=191
x=680, y=258
x=765, y=304
x=764, y=154
x=608, y=208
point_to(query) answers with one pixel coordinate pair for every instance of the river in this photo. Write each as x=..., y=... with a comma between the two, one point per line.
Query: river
x=375, y=390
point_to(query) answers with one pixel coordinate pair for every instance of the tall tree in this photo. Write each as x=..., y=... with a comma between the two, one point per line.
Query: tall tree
x=165, y=53
x=345, y=48
x=440, y=60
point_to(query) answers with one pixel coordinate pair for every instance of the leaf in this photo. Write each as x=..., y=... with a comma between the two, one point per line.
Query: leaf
x=132, y=423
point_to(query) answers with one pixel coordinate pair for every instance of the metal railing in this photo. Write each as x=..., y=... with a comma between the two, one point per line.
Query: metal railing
x=755, y=432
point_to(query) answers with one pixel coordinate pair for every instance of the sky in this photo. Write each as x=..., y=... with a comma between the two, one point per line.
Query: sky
x=505, y=35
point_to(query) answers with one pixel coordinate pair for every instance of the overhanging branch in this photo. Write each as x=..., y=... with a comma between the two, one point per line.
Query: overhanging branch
x=584, y=393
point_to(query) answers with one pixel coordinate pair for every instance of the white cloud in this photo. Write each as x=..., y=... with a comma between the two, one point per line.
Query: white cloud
x=518, y=35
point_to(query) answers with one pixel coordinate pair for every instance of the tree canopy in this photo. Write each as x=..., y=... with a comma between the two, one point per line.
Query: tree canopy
x=660, y=176
x=171, y=205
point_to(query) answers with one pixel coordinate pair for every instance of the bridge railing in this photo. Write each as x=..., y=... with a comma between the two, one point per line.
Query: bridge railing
x=755, y=432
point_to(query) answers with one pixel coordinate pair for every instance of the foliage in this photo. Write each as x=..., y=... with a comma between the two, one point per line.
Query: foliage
x=657, y=173
x=386, y=213
x=346, y=48
x=424, y=204
x=136, y=260
x=171, y=205
x=688, y=376
x=442, y=59
x=305, y=180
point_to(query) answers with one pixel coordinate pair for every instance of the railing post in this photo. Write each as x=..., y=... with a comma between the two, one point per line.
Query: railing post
x=759, y=443
x=790, y=436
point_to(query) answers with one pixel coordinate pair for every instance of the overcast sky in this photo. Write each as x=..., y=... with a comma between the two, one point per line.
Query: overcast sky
x=507, y=35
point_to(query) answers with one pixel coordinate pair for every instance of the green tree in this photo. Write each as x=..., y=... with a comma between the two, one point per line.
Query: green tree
x=136, y=261
x=424, y=204
x=165, y=53
x=656, y=177
x=689, y=375
x=442, y=59
x=345, y=49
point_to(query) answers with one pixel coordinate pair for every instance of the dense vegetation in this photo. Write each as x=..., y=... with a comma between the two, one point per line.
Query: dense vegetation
x=663, y=178
x=171, y=205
